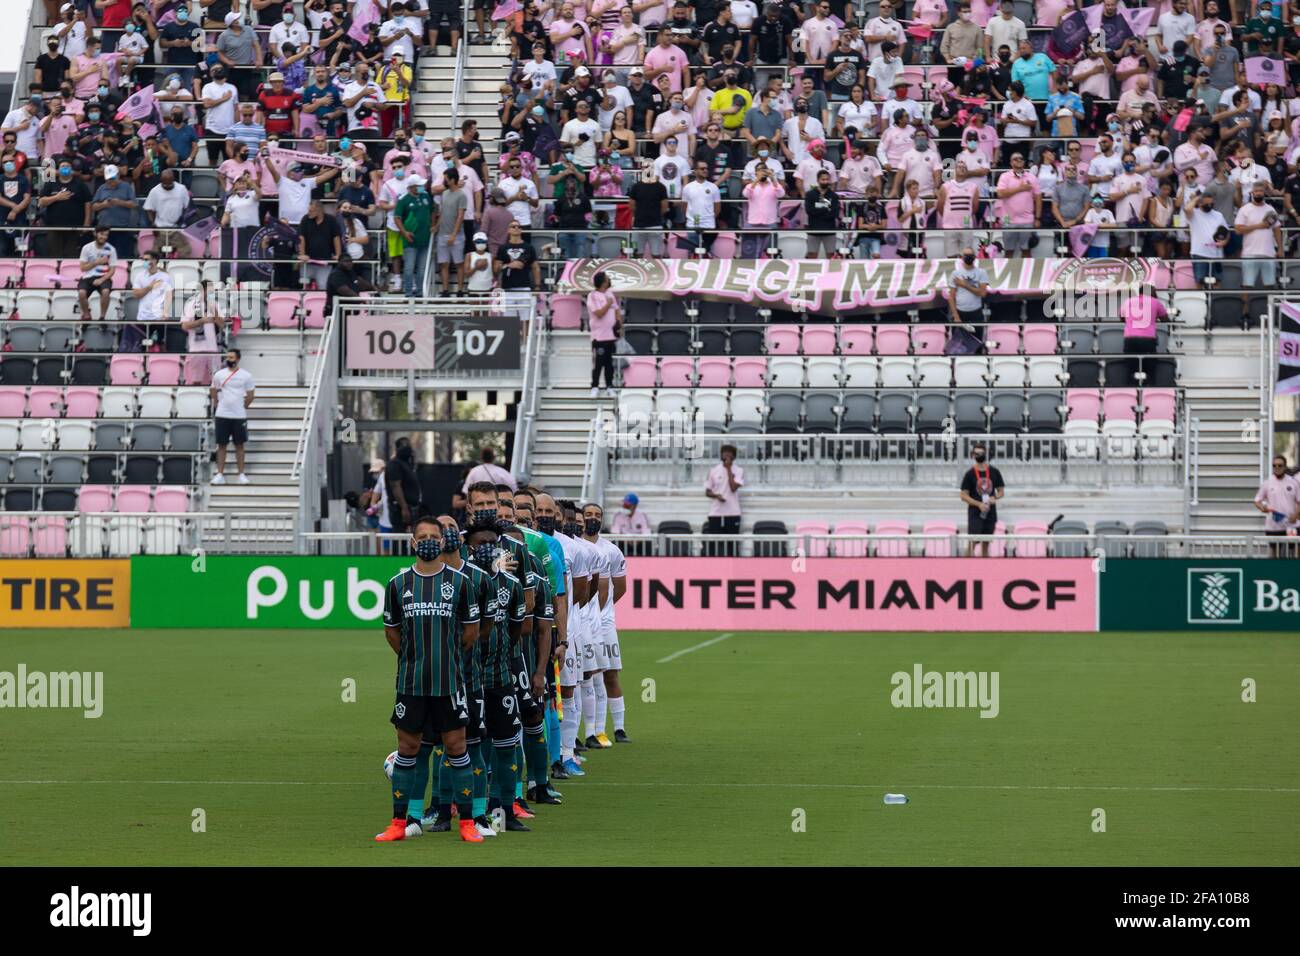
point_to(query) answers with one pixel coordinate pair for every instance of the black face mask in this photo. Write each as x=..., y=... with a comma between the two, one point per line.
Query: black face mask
x=406, y=454
x=450, y=540
x=591, y=526
x=485, y=516
x=572, y=529
x=231, y=363
x=979, y=457
x=504, y=525
x=427, y=549
x=969, y=260
x=546, y=524
x=483, y=555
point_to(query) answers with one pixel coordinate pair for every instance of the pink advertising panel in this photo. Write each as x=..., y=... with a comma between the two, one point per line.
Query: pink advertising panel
x=860, y=594
x=389, y=342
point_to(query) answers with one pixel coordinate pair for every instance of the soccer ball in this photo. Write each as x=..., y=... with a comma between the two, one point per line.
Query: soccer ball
x=388, y=764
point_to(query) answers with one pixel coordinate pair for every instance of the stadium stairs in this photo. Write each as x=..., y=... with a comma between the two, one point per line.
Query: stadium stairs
x=485, y=68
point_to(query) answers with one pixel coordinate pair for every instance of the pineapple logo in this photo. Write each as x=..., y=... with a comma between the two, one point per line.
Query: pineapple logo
x=1214, y=596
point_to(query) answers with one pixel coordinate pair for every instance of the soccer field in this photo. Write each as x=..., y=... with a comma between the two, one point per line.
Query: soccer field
x=741, y=735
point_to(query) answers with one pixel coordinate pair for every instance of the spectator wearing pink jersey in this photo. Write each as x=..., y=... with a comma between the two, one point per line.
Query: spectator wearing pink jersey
x=1022, y=206
x=894, y=142
x=1278, y=499
x=762, y=204
x=1260, y=228
x=568, y=35
x=606, y=321
x=920, y=164
x=820, y=35
x=958, y=206
x=630, y=520
x=1141, y=313
x=665, y=58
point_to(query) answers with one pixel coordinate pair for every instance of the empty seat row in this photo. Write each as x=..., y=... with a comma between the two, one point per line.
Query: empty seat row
x=127, y=368
x=60, y=468
x=1121, y=404
x=294, y=310
x=39, y=275
x=110, y=402
x=90, y=536
x=140, y=435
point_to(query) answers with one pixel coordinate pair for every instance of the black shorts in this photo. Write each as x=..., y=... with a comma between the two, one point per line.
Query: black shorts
x=418, y=714
x=444, y=20
x=981, y=524
x=476, y=729
x=91, y=284
x=232, y=430
x=530, y=708
x=501, y=712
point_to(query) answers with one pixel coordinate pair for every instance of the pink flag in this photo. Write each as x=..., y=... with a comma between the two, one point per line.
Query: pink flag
x=1263, y=69
x=1081, y=237
x=367, y=12
x=505, y=9
x=138, y=106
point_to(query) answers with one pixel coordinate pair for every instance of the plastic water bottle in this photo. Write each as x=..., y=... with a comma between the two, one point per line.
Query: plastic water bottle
x=895, y=798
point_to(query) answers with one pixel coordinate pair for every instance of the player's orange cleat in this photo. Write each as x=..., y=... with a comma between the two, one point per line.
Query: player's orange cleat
x=469, y=833
x=523, y=814
x=396, y=831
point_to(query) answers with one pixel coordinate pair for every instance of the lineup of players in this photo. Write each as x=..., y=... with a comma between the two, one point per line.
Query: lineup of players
x=506, y=644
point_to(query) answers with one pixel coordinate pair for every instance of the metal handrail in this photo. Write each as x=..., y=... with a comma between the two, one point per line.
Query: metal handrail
x=313, y=392
x=526, y=414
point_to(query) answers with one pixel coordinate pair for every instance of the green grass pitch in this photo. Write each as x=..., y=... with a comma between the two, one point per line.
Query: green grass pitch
x=251, y=727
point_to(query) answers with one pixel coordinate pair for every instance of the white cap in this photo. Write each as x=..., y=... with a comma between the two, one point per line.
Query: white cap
x=231, y=18
x=65, y=8
x=582, y=71
x=480, y=237
x=110, y=171
x=415, y=181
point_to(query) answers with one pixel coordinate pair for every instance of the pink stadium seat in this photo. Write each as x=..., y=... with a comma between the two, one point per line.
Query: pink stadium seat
x=943, y=548
x=818, y=340
x=94, y=499
x=44, y=402
x=724, y=246
x=892, y=549
x=13, y=401
x=1040, y=339
x=715, y=373
x=676, y=372
x=15, y=536
x=1031, y=549
x=750, y=372
x=171, y=499
x=81, y=402
x=11, y=272
x=164, y=369
x=781, y=339
x=43, y=274
x=1084, y=404
x=313, y=310
x=132, y=498
x=124, y=369
x=1002, y=340
x=50, y=537
x=145, y=241
x=813, y=549
x=1119, y=404
x=998, y=549
x=928, y=339
x=69, y=273
x=851, y=549
x=566, y=312
x=640, y=372
x=121, y=275
x=1160, y=404
x=914, y=76
x=892, y=339
x=282, y=310
x=855, y=339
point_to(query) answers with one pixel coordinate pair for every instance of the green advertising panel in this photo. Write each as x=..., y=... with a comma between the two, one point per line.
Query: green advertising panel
x=271, y=591
x=1181, y=594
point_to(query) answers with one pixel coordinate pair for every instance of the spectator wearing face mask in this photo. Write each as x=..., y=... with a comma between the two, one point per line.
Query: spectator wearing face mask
x=177, y=40
x=232, y=393
x=239, y=51
x=968, y=286
x=51, y=67
x=1260, y=228
x=630, y=518
x=982, y=488
x=165, y=207
x=65, y=205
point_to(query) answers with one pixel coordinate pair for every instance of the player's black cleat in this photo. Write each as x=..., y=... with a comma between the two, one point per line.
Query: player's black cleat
x=515, y=825
x=579, y=746
x=621, y=737
x=558, y=772
x=593, y=743
x=441, y=825
x=542, y=795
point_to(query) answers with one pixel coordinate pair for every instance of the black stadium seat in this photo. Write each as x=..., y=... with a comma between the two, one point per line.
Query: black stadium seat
x=178, y=470
x=49, y=371
x=769, y=549
x=20, y=499
x=140, y=470
x=677, y=549
x=16, y=371
x=59, y=499
x=101, y=470
x=96, y=338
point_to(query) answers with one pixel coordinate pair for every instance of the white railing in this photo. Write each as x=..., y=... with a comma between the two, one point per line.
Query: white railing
x=57, y=534
x=535, y=350
x=316, y=434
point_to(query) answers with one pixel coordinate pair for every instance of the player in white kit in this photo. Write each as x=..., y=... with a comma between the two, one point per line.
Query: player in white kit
x=609, y=693
x=577, y=576
x=593, y=655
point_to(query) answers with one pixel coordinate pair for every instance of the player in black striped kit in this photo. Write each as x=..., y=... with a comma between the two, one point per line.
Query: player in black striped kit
x=430, y=613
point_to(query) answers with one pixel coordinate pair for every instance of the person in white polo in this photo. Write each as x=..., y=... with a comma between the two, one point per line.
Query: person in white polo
x=232, y=393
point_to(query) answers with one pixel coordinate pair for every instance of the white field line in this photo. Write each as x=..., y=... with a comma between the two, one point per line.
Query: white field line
x=677, y=654
x=894, y=786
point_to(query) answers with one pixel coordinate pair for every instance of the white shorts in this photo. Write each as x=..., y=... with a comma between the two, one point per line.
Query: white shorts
x=570, y=675
x=613, y=653
x=571, y=666
x=598, y=659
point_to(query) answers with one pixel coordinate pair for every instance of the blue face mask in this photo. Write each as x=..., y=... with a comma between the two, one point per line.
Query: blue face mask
x=485, y=515
x=9, y=168
x=130, y=28
x=65, y=170
x=399, y=173
x=345, y=143
x=103, y=91
x=763, y=153
x=1128, y=167
x=419, y=138
x=182, y=15
x=428, y=548
x=539, y=111
x=450, y=540
x=483, y=555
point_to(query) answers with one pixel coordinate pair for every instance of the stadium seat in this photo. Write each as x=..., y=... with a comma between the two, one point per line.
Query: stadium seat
x=313, y=310
x=939, y=548
x=1030, y=549
x=1112, y=538
x=11, y=272
x=897, y=372
x=1119, y=404
x=171, y=500
x=15, y=535
x=892, y=340
x=132, y=499
x=819, y=340
x=24, y=338
x=1008, y=413
x=674, y=548
x=860, y=371
x=1159, y=404
x=1044, y=412
x=1046, y=372
x=711, y=409
x=58, y=499
x=36, y=435
x=639, y=373
x=28, y=470
x=785, y=372
x=934, y=371
x=749, y=372
x=677, y=372
x=80, y=402
x=1149, y=548
x=970, y=372
x=126, y=369
x=1077, y=340
x=895, y=413
x=1083, y=372
x=821, y=415
x=747, y=407
x=140, y=469
x=856, y=339
x=89, y=371
x=770, y=549
x=20, y=499
x=673, y=402
x=9, y=436
x=1081, y=438
x=998, y=548
x=566, y=311
x=1070, y=549
x=635, y=405
x=49, y=537
x=812, y=538
x=714, y=373
x=1156, y=439
x=1008, y=372
x=896, y=548
x=928, y=339
x=16, y=370
x=13, y=401
x=842, y=543
x=1120, y=437
x=156, y=402
x=148, y=436
x=969, y=413
x=1190, y=309
x=283, y=310
x=932, y=412
x=781, y=339
x=1002, y=340
x=164, y=369
x=784, y=413
x=859, y=413
x=193, y=402
x=65, y=469
x=110, y=436
x=59, y=338
x=74, y=435
x=822, y=371
x=178, y=470
x=1039, y=339
x=51, y=371
x=98, y=338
